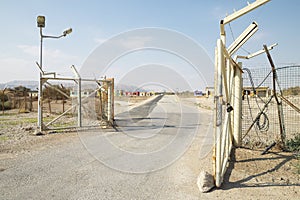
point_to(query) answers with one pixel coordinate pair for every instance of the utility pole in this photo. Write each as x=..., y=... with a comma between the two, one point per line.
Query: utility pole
x=41, y=25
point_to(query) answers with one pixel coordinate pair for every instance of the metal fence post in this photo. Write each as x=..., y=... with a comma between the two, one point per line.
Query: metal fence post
x=109, y=101
x=237, y=115
x=219, y=102
x=79, y=120
x=79, y=102
x=40, y=88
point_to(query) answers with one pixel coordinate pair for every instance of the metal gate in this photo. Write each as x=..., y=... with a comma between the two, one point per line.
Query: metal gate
x=84, y=102
x=228, y=88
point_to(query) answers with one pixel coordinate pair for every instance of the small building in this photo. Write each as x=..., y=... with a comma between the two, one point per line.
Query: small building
x=128, y=94
x=119, y=93
x=136, y=94
x=260, y=91
x=33, y=93
x=209, y=91
x=85, y=93
x=149, y=94
x=198, y=93
x=143, y=94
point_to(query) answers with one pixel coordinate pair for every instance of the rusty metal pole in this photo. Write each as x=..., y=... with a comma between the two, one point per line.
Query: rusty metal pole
x=279, y=104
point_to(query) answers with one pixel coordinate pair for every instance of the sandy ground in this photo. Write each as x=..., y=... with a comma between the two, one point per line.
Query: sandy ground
x=250, y=174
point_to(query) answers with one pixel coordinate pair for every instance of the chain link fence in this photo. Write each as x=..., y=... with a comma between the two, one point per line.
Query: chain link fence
x=260, y=113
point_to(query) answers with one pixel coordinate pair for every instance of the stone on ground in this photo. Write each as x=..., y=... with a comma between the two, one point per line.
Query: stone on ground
x=205, y=182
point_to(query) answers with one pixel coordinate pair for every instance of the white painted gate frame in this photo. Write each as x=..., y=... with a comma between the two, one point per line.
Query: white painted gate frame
x=228, y=79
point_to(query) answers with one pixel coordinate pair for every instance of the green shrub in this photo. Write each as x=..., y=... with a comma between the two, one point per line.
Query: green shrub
x=3, y=97
x=293, y=144
x=7, y=105
x=292, y=91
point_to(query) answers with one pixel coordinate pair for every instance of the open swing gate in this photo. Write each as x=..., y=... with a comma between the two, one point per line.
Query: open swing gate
x=228, y=93
x=92, y=102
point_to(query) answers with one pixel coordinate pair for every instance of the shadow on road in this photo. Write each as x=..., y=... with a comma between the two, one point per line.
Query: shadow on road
x=138, y=113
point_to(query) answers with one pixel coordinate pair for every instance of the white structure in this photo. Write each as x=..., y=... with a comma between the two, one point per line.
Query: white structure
x=228, y=92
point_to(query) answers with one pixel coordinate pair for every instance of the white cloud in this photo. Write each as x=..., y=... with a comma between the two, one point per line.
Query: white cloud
x=134, y=42
x=31, y=50
x=260, y=36
x=17, y=69
x=49, y=53
x=22, y=66
x=54, y=60
x=128, y=43
x=99, y=40
x=218, y=13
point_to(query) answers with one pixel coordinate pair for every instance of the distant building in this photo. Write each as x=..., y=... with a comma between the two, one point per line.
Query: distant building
x=198, y=93
x=209, y=91
x=143, y=94
x=260, y=91
x=136, y=94
x=74, y=94
x=33, y=93
x=149, y=94
x=128, y=94
x=119, y=93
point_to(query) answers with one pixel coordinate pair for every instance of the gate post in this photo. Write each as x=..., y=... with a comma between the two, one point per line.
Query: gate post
x=219, y=103
x=79, y=120
x=237, y=110
x=109, y=101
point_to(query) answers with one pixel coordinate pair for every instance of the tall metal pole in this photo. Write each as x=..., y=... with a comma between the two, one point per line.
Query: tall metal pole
x=41, y=25
x=219, y=100
x=79, y=117
x=279, y=103
x=109, y=101
x=40, y=92
x=79, y=103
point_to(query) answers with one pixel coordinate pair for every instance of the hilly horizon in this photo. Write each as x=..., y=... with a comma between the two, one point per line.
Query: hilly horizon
x=33, y=85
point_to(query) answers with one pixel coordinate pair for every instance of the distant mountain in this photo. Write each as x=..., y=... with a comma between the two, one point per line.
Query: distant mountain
x=29, y=84
x=129, y=88
x=33, y=85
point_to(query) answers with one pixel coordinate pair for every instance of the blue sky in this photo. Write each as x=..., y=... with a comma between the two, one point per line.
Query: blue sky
x=93, y=22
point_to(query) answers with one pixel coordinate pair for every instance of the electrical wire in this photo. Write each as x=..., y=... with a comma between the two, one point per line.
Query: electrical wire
x=250, y=110
x=262, y=123
x=264, y=126
x=262, y=82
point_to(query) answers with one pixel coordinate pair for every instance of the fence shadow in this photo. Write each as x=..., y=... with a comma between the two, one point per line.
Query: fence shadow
x=244, y=183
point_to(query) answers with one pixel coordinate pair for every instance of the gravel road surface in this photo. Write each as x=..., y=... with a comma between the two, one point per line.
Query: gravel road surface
x=156, y=151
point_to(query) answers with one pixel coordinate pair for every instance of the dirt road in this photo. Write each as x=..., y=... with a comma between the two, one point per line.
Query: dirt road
x=70, y=168
x=156, y=152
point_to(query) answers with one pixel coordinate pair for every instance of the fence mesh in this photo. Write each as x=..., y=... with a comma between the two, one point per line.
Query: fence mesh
x=260, y=116
x=61, y=106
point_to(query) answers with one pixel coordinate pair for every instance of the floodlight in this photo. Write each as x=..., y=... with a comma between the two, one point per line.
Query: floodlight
x=66, y=32
x=41, y=24
x=40, y=21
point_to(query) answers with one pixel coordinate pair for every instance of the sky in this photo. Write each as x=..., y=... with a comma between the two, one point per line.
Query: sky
x=97, y=24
